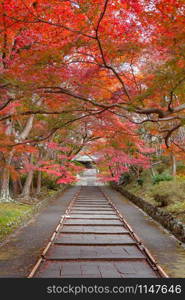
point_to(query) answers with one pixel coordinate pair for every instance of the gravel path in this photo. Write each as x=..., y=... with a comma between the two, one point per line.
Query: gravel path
x=21, y=251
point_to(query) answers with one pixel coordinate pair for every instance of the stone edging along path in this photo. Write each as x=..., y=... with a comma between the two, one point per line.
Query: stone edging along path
x=166, y=219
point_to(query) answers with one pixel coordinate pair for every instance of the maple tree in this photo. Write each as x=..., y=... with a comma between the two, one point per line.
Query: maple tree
x=109, y=67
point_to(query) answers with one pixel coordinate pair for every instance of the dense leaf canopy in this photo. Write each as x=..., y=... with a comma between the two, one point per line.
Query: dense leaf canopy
x=103, y=76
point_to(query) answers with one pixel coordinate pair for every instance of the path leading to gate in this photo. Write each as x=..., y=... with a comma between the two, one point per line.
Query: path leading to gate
x=21, y=252
x=93, y=240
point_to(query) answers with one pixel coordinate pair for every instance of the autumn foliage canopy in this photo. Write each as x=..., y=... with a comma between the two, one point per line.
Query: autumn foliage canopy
x=103, y=76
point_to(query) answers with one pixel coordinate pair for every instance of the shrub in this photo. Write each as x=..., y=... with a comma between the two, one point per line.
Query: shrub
x=161, y=177
x=125, y=179
x=140, y=181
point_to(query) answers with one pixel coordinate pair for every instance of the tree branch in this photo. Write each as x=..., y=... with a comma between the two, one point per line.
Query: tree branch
x=6, y=104
x=58, y=90
x=170, y=131
x=38, y=140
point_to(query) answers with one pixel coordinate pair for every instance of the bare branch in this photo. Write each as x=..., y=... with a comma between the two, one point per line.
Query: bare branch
x=6, y=104
x=38, y=20
x=59, y=90
x=182, y=149
x=102, y=15
x=170, y=131
x=38, y=140
x=44, y=112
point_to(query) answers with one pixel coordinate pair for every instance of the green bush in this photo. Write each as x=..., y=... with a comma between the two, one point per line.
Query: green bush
x=140, y=181
x=161, y=177
x=125, y=179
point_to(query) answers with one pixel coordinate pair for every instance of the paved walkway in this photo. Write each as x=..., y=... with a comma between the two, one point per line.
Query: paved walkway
x=95, y=244
x=18, y=256
x=164, y=247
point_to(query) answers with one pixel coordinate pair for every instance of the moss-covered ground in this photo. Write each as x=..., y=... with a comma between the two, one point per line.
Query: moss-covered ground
x=12, y=215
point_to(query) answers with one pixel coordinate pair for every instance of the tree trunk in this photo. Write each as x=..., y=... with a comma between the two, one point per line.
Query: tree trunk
x=174, y=165
x=151, y=168
x=27, y=186
x=39, y=179
x=5, y=189
x=17, y=188
x=19, y=184
x=5, y=182
x=152, y=171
